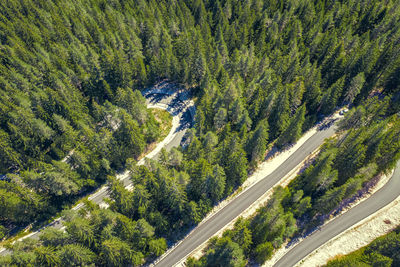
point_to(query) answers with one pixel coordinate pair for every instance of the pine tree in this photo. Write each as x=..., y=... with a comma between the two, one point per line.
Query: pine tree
x=75, y=255
x=220, y=119
x=279, y=120
x=294, y=129
x=257, y=144
x=354, y=88
x=45, y=256
x=216, y=184
x=330, y=99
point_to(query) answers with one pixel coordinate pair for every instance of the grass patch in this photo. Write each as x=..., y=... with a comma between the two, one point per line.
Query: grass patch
x=164, y=118
x=16, y=236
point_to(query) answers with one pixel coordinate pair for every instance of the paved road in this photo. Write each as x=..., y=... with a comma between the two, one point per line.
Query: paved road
x=389, y=192
x=206, y=230
x=179, y=105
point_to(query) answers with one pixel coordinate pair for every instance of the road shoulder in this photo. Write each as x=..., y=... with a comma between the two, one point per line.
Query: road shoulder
x=357, y=236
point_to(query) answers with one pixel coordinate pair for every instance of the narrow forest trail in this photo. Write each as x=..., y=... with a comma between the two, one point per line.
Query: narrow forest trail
x=164, y=96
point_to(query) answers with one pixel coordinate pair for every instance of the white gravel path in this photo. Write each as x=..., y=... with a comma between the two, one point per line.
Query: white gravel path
x=166, y=140
x=168, y=89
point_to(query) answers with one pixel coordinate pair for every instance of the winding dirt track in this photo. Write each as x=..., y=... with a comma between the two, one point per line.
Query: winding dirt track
x=165, y=97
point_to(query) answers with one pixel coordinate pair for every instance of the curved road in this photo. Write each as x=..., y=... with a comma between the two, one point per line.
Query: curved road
x=388, y=193
x=162, y=96
x=180, y=107
x=210, y=227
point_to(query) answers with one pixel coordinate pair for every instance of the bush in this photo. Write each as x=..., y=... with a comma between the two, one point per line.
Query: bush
x=263, y=252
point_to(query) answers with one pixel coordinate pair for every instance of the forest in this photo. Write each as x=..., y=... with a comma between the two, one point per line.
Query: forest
x=261, y=72
x=367, y=143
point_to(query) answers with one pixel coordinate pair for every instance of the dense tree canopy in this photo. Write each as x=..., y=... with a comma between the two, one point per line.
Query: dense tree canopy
x=261, y=71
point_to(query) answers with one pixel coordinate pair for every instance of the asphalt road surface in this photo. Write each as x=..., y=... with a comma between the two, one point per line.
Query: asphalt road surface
x=206, y=230
x=178, y=106
x=389, y=192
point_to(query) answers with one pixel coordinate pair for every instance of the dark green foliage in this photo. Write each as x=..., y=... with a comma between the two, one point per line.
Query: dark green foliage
x=69, y=110
x=102, y=237
x=388, y=245
x=383, y=251
x=263, y=252
x=225, y=252
x=45, y=256
x=75, y=255
x=157, y=247
x=116, y=252
x=367, y=144
x=18, y=204
x=257, y=143
x=272, y=223
x=261, y=71
x=294, y=129
x=241, y=234
x=322, y=187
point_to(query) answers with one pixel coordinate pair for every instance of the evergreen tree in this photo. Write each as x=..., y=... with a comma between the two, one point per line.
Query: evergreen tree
x=294, y=129
x=257, y=144
x=280, y=116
